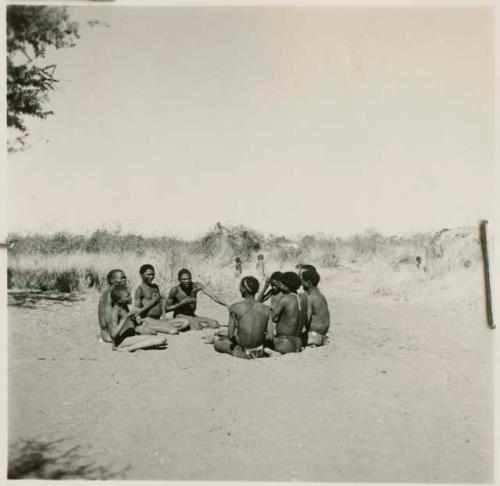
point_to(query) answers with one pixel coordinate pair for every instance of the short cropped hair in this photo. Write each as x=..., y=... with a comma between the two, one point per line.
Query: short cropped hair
x=276, y=276
x=183, y=271
x=311, y=276
x=260, y=256
x=306, y=266
x=144, y=268
x=251, y=284
x=111, y=274
x=291, y=280
x=117, y=292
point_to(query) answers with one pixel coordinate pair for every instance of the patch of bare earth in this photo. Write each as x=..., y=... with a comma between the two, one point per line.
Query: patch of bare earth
x=402, y=393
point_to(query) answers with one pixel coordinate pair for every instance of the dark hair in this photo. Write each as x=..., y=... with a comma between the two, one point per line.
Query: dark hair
x=145, y=267
x=311, y=276
x=117, y=292
x=238, y=259
x=260, y=256
x=306, y=266
x=111, y=274
x=275, y=276
x=183, y=271
x=291, y=280
x=251, y=284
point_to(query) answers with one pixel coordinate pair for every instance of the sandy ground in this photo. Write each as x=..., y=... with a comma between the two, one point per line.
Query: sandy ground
x=402, y=393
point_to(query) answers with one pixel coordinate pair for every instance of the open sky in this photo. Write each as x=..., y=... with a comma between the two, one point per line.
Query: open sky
x=288, y=120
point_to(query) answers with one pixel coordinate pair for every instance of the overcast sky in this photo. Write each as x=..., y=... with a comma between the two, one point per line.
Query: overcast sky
x=288, y=120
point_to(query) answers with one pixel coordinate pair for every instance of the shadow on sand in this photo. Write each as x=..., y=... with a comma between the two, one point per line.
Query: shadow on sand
x=32, y=459
x=32, y=299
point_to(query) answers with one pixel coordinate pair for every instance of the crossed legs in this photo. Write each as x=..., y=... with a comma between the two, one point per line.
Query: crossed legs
x=154, y=326
x=197, y=323
x=133, y=343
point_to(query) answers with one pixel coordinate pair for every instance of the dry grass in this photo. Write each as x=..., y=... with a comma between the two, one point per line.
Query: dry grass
x=384, y=265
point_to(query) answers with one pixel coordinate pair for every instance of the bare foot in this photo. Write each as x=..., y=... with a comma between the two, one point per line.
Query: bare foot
x=271, y=352
x=209, y=339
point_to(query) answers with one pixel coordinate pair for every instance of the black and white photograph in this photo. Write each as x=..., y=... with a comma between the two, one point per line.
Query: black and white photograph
x=250, y=242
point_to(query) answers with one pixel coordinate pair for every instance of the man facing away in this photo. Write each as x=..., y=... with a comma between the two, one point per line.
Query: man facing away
x=318, y=314
x=247, y=324
x=290, y=315
x=182, y=301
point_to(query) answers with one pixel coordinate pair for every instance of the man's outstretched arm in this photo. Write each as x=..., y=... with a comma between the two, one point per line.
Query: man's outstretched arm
x=210, y=294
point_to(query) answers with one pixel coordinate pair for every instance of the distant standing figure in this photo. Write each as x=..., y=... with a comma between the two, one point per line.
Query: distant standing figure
x=247, y=324
x=318, y=314
x=238, y=266
x=418, y=261
x=148, y=302
x=182, y=301
x=122, y=328
x=260, y=267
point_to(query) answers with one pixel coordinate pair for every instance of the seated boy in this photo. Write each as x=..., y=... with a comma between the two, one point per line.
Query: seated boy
x=318, y=314
x=247, y=324
x=115, y=278
x=122, y=328
x=149, y=307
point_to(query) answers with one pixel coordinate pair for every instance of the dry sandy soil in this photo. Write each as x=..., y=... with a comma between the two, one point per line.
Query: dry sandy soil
x=402, y=393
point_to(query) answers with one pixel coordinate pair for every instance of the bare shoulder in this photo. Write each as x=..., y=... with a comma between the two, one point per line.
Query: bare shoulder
x=198, y=286
x=173, y=291
x=235, y=307
x=105, y=296
x=264, y=307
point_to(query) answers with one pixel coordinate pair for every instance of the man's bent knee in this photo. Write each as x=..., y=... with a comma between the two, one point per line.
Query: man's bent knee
x=105, y=336
x=223, y=346
x=210, y=324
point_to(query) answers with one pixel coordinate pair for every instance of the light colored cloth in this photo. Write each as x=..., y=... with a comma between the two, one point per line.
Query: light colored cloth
x=254, y=353
x=315, y=338
x=287, y=344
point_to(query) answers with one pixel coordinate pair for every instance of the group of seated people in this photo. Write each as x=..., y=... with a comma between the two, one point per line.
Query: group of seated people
x=290, y=322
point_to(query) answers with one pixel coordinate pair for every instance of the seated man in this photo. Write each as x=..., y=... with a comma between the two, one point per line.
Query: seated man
x=122, y=326
x=148, y=303
x=318, y=315
x=290, y=315
x=182, y=301
x=247, y=324
x=115, y=278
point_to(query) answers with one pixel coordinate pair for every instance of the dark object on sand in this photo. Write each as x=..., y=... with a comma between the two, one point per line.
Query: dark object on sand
x=487, y=277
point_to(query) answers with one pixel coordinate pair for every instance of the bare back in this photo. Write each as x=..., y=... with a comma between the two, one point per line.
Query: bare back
x=290, y=315
x=104, y=310
x=319, y=312
x=250, y=319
